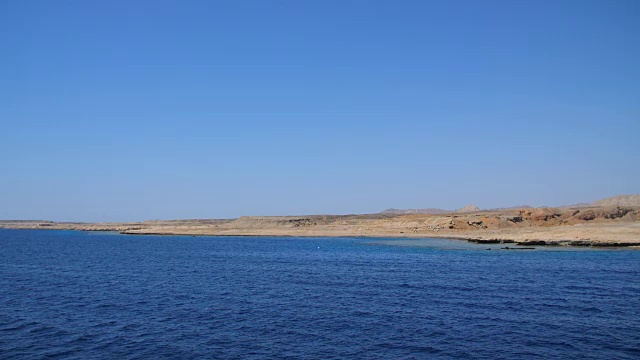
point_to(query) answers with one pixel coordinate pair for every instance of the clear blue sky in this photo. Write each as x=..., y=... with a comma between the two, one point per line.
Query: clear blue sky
x=133, y=110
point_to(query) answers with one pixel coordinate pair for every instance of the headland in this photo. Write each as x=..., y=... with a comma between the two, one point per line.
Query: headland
x=602, y=223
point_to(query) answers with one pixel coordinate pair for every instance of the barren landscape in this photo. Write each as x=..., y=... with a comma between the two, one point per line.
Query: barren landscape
x=608, y=222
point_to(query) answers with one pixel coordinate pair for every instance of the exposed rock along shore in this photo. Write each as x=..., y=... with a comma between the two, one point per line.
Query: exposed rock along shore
x=572, y=226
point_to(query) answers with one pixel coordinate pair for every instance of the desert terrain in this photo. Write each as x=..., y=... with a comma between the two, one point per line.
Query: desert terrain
x=608, y=222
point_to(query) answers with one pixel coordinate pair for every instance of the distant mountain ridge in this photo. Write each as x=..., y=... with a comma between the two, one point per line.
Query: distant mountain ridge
x=432, y=211
x=512, y=207
x=621, y=200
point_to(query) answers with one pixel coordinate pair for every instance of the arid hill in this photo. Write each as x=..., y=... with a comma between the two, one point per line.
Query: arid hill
x=468, y=208
x=622, y=200
x=589, y=226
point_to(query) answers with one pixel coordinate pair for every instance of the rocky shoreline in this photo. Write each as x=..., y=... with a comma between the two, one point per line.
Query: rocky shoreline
x=607, y=226
x=579, y=243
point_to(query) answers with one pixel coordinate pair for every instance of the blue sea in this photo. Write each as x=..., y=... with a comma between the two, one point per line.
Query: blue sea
x=79, y=295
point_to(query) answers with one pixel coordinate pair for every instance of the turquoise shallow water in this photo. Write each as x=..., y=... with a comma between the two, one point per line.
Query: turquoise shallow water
x=68, y=294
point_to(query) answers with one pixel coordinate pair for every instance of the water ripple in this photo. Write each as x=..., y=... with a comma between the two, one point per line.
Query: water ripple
x=73, y=295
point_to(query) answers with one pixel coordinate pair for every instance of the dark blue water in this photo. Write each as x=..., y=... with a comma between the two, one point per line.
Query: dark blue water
x=71, y=294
